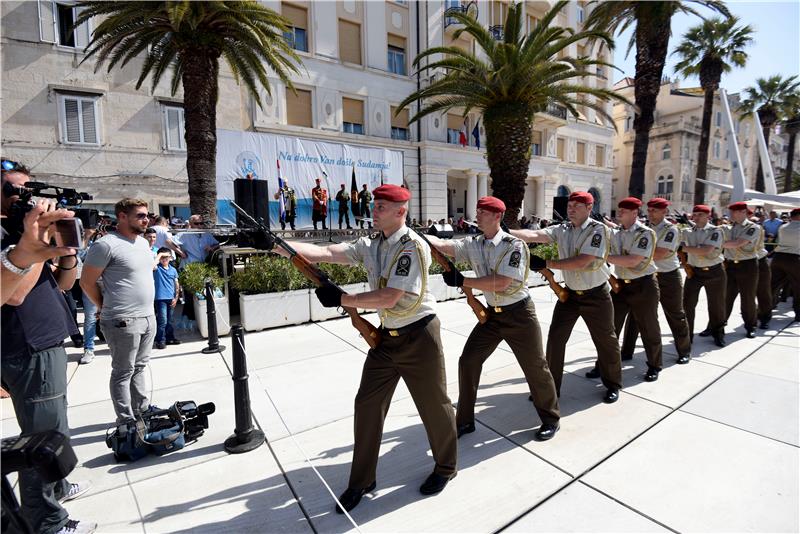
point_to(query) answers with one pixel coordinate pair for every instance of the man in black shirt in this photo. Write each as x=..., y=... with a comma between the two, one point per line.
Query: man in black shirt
x=35, y=322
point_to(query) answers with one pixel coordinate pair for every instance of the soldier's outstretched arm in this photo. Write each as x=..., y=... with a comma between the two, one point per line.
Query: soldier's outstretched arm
x=532, y=236
x=316, y=254
x=445, y=246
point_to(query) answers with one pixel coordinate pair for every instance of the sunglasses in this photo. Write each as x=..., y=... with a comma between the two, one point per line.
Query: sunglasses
x=138, y=216
x=9, y=165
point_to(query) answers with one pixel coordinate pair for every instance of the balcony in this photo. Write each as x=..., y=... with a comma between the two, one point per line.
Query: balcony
x=497, y=32
x=453, y=7
x=553, y=116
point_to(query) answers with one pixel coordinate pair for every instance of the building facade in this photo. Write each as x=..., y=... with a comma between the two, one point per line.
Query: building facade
x=96, y=132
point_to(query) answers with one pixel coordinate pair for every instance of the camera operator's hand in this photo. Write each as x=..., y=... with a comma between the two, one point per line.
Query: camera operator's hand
x=453, y=278
x=34, y=245
x=329, y=296
x=537, y=263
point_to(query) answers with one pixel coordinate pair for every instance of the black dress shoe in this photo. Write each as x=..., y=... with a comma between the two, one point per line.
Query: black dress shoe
x=751, y=334
x=705, y=333
x=547, y=431
x=351, y=497
x=594, y=373
x=719, y=340
x=651, y=375
x=764, y=325
x=683, y=359
x=173, y=342
x=611, y=396
x=466, y=428
x=434, y=484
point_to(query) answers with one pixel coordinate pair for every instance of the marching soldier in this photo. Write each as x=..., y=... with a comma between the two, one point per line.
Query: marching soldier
x=670, y=283
x=397, y=264
x=741, y=265
x=343, y=198
x=501, y=264
x=786, y=260
x=764, y=290
x=703, y=246
x=583, y=245
x=319, y=208
x=633, y=246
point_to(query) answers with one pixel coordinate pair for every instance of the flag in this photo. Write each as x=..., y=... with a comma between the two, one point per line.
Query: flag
x=354, y=207
x=381, y=175
x=282, y=196
x=476, y=133
x=462, y=134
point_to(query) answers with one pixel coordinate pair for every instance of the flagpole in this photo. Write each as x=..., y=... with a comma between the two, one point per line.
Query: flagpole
x=330, y=214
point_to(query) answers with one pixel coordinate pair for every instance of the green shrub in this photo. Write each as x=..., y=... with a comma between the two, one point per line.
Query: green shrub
x=547, y=251
x=193, y=277
x=268, y=274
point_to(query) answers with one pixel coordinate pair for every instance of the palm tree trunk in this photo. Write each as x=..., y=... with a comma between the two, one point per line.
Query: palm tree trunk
x=702, y=151
x=200, y=90
x=787, y=181
x=651, y=53
x=760, y=172
x=508, y=152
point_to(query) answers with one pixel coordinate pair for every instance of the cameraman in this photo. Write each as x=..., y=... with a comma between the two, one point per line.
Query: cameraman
x=35, y=322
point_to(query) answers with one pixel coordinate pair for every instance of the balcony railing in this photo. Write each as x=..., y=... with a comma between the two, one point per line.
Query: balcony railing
x=556, y=110
x=497, y=32
x=452, y=7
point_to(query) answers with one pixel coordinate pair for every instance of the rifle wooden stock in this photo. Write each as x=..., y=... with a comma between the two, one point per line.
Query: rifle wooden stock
x=684, y=259
x=614, y=282
x=477, y=306
x=560, y=291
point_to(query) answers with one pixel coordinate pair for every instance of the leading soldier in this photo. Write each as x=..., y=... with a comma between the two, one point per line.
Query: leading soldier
x=583, y=245
x=741, y=265
x=786, y=261
x=501, y=265
x=397, y=264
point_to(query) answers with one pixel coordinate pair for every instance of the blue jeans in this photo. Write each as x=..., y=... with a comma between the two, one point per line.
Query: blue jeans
x=164, y=331
x=89, y=323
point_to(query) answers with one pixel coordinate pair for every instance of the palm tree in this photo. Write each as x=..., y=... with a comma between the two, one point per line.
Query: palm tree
x=513, y=79
x=652, y=21
x=791, y=124
x=767, y=97
x=189, y=38
x=708, y=50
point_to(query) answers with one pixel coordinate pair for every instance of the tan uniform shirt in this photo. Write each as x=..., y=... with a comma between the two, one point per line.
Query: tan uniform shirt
x=504, y=255
x=747, y=230
x=761, y=250
x=789, y=238
x=638, y=240
x=709, y=235
x=400, y=261
x=590, y=238
x=668, y=236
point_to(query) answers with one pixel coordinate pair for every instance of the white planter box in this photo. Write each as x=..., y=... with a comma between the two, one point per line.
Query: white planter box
x=223, y=316
x=321, y=313
x=437, y=287
x=454, y=293
x=268, y=310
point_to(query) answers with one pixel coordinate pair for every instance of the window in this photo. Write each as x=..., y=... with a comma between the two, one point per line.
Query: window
x=298, y=108
x=297, y=36
x=400, y=124
x=454, y=125
x=718, y=119
x=664, y=185
x=560, y=148
x=581, y=13
x=353, y=116
x=532, y=23
x=628, y=122
x=55, y=24
x=78, y=119
x=716, y=149
x=600, y=156
x=174, y=128
x=536, y=143
x=397, y=55
x=349, y=42
x=581, y=156
x=666, y=151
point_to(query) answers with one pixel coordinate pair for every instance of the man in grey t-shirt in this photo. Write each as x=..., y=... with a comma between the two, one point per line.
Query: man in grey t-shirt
x=125, y=304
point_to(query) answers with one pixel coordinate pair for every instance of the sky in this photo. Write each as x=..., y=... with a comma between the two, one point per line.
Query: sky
x=775, y=48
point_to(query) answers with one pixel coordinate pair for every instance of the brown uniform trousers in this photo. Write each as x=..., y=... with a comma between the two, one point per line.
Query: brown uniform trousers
x=742, y=279
x=639, y=297
x=764, y=291
x=594, y=306
x=714, y=280
x=786, y=271
x=417, y=358
x=519, y=327
x=670, y=290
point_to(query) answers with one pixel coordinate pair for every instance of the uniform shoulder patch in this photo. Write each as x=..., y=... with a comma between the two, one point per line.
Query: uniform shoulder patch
x=403, y=265
x=642, y=243
x=515, y=258
x=596, y=240
x=751, y=231
x=669, y=237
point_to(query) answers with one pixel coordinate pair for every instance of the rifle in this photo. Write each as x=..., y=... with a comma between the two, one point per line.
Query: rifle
x=477, y=306
x=684, y=259
x=318, y=277
x=614, y=282
x=561, y=292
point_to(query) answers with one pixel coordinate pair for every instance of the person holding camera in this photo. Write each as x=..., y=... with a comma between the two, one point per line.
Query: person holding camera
x=35, y=322
x=125, y=304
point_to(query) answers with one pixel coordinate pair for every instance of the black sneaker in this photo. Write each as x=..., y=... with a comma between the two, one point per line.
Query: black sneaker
x=161, y=345
x=173, y=342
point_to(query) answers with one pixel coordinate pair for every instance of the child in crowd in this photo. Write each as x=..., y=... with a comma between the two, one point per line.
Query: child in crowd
x=165, y=277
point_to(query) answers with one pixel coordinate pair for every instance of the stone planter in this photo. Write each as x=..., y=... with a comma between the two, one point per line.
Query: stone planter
x=321, y=313
x=437, y=287
x=223, y=316
x=268, y=310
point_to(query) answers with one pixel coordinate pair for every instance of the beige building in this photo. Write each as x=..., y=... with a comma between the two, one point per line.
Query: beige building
x=98, y=133
x=674, y=143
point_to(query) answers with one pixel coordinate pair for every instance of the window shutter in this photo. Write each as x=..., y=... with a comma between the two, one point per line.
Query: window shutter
x=81, y=32
x=72, y=123
x=297, y=16
x=349, y=42
x=173, y=128
x=47, y=27
x=600, y=156
x=454, y=122
x=401, y=120
x=353, y=111
x=397, y=42
x=88, y=118
x=298, y=108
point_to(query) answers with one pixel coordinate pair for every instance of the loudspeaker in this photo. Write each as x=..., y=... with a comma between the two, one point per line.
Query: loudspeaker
x=261, y=200
x=560, y=208
x=243, y=196
x=443, y=231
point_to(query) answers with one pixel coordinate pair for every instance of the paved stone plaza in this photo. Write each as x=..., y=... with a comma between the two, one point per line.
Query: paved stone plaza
x=710, y=447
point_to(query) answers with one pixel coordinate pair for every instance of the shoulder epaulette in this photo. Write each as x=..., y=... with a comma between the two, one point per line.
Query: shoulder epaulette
x=509, y=239
x=405, y=238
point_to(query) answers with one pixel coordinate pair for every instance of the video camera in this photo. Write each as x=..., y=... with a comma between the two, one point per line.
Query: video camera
x=67, y=198
x=194, y=416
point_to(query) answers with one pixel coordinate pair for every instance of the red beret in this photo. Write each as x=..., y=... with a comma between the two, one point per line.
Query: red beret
x=658, y=203
x=736, y=206
x=582, y=197
x=750, y=212
x=392, y=193
x=630, y=203
x=491, y=204
x=702, y=208
x=795, y=212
